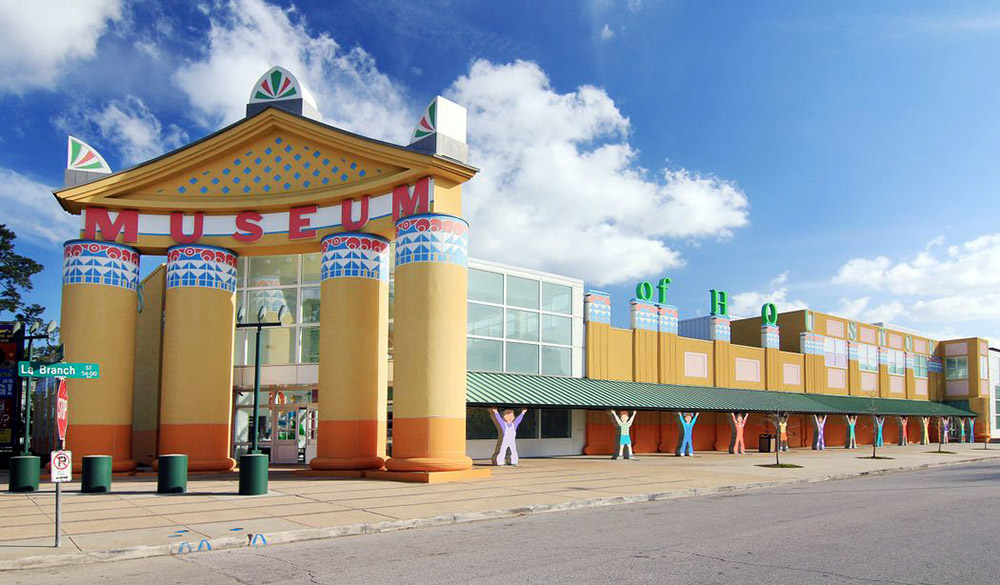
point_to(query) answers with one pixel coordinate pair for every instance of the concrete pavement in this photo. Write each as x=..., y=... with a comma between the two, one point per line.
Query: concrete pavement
x=135, y=522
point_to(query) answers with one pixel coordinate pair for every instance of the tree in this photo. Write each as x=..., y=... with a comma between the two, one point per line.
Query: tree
x=15, y=277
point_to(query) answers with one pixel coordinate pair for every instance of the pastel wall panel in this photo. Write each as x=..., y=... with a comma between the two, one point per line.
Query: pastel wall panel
x=834, y=328
x=695, y=364
x=868, y=336
x=747, y=370
x=955, y=349
x=791, y=374
x=869, y=382
x=957, y=388
x=897, y=385
x=836, y=378
x=920, y=387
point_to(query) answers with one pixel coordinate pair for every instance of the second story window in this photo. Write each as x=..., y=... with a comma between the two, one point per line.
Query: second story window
x=956, y=368
x=835, y=351
x=867, y=357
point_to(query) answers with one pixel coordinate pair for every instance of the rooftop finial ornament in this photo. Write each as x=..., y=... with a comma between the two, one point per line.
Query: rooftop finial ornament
x=441, y=130
x=277, y=87
x=83, y=163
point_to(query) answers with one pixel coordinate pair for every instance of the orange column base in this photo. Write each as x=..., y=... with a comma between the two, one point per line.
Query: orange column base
x=430, y=476
x=114, y=440
x=349, y=445
x=206, y=445
x=428, y=444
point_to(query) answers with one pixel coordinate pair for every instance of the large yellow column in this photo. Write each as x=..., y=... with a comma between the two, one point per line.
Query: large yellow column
x=353, y=353
x=197, y=379
x=99, y=305
x=430, y=345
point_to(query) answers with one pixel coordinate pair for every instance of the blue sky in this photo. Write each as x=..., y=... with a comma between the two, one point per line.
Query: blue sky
x=840, y=156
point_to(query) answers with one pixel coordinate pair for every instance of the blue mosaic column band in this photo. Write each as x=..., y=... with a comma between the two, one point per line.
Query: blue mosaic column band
x=668, y=317
x=644, y=316
x=432, y=237
x=103, y=263
x=770, y=337
x=201, y=267
x=719, y=329
x=355, y=255
x=597, y=307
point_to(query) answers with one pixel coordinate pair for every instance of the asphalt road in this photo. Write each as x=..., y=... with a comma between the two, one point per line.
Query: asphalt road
x=937, y=527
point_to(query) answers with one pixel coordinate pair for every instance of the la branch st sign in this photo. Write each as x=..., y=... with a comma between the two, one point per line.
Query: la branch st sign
x=248, y=227
x=59, y=370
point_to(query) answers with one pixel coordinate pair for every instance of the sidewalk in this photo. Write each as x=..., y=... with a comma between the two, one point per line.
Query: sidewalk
x=134, y=521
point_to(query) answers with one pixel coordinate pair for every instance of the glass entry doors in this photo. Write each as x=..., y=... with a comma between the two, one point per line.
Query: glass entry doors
x=288, y=420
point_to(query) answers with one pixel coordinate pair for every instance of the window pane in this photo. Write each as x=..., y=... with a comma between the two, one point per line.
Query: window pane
x=485, y=320
x=556, y=360
x=485, y=286
x=310, y=345
x=239, y=348
x=310, y=304
x=311, y=265
x=479, y=424
x=277, y=346
x=485, y=355
x=556, y=424
x=274, y=270
x=529, y=424
x=522, y=292
x=522, y=358
x=241, y=272
x=522, y=325
x=243, y=425
x=557, y=329
x=273, y=300
x=557, y=298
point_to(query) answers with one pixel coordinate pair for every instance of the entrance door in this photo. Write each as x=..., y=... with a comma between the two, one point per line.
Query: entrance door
x=285, y=438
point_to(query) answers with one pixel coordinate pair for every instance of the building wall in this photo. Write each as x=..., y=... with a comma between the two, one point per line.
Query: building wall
x=148, y=353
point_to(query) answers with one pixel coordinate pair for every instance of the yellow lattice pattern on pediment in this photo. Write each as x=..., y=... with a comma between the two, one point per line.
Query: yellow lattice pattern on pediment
x=277, y=163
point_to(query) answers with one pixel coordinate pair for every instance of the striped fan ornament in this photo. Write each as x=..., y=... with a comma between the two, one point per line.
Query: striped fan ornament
x=276, y=84
x=80, y=156
x=428, y=122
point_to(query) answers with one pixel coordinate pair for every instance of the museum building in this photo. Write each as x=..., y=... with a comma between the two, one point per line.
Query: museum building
x=390, y=340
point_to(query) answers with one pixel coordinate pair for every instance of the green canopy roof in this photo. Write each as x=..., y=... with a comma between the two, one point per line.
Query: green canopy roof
x=494, y=388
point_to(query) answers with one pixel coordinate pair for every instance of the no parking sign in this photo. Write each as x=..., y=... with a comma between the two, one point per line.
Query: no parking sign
x=62, y=466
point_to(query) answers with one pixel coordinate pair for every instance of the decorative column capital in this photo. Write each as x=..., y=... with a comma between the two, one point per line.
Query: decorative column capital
x=770, y=337
x=597, y=307
x=355, y=255
x=103, y=263
x=719, y=329
x=432, y=237
x=644, y=315
x=201, y=266
x=668, y=317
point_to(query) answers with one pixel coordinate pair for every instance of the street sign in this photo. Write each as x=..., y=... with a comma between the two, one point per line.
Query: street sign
x=62, y=466
x=57, y=370
x=62, y=410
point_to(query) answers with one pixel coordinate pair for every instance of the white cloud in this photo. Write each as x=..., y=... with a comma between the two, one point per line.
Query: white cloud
x=41, y=38
x=136, y=132
x=972, y=268
x=748, y=304
x=39, y=218
x=560, y=189
x=606, y=33
x=248, y=37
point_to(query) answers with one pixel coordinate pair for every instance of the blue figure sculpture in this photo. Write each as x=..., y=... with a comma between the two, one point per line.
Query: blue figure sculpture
x=852, y=440
x=879, y=421
x=507, y=435
x=686, y=420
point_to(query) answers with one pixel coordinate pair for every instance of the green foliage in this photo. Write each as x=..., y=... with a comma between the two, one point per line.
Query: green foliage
x=15, y=277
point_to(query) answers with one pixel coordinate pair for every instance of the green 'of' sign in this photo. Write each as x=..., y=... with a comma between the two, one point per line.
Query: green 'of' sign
x=59, y=370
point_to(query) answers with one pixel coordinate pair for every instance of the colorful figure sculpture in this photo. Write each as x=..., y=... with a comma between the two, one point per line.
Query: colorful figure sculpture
x=972, y=429
x=925, y=432
x=879, y=421
x=737, y=420
x=852, y=439
x=624, y=422
x=783, y=432
x=507, y=435
x=819, y=440
x=685, y=447
x=961, y=431
x=904, y=438
x=944, y=426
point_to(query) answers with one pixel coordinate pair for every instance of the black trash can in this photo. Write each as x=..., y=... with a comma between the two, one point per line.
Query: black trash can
x=766, y=443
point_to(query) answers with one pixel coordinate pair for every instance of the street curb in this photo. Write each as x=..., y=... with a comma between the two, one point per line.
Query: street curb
x=257, y=540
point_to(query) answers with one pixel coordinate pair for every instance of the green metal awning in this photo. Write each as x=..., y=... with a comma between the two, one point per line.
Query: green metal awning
x=494, y=388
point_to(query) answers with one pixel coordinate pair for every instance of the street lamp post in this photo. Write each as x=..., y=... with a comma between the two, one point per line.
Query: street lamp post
x=25, y=468
x=253, y=465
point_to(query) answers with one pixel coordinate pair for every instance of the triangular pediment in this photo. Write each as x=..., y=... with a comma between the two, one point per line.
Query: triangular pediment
x=273, y=160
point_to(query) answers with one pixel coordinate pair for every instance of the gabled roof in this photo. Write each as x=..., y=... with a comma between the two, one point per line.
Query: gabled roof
x=272, y=160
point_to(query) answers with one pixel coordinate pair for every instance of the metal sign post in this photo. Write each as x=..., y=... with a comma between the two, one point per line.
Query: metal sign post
x=61, y=460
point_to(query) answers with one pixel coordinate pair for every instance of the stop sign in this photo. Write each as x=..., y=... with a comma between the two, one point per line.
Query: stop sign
x=62, y=409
